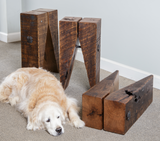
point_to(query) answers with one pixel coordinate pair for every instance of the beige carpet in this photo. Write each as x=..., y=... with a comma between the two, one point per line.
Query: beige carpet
x=13, y=125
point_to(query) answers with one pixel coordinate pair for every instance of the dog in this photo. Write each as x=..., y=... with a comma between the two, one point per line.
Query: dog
x=40, y=97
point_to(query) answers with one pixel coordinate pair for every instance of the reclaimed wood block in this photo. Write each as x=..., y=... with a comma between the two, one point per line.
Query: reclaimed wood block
x=39, y=39
x=68, y=29
x=123, y=107
x=92, y=100
x=88, y=33
x=89, y=37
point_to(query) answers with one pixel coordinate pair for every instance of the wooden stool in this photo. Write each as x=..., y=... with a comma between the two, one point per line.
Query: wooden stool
x=39, y=39
x=88, y=32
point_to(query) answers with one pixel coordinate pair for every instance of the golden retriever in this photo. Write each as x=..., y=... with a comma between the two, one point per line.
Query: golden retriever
x=39, y=96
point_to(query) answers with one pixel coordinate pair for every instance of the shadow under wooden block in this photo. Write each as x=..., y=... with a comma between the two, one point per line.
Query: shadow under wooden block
x=39, y=39
x=68, y=28
x=123, y=107
x=89, y=37
x=92, y=100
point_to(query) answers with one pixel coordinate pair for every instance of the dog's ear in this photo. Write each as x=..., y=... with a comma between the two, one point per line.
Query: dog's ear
x=62, y=115
x=62, y=118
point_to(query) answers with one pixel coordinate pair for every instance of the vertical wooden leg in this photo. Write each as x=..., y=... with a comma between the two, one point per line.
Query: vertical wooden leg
x=39, y=33
x=51, y=53
x=33, y=37
x=92, y=100
x=89, y=36
x=68, y=27
x=89, y=30
x=123, y=107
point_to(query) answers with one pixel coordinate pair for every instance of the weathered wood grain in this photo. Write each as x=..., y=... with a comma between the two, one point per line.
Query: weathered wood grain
x=39, y=39
x=92, y=100
x=68, y=28
x=90, y=39
x=123, y=107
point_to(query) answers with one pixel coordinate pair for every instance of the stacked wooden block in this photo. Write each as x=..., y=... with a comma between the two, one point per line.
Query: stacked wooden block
x=104, y=106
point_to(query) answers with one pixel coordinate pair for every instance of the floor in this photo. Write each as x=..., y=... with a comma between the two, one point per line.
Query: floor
x=13, y=125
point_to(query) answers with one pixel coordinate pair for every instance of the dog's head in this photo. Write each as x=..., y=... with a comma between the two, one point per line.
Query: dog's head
x=51, y=118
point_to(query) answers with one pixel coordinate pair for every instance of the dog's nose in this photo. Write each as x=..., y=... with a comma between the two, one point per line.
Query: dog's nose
x=58, y=130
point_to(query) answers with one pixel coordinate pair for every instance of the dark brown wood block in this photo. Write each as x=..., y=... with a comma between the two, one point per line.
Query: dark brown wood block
x=92, y=100
x=39, y=39
x=90, y=36
x=123, y=107
x=68, y=28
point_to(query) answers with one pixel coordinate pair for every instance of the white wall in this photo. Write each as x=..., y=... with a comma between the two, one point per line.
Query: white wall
x=10, y=20
x=13, y=15
x=130, y=29
x=3, y=16
x=132, y=33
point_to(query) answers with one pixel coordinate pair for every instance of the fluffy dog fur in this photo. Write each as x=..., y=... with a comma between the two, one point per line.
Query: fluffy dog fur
x=39, y=96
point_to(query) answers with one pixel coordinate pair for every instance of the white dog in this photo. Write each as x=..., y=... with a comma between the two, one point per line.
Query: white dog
x=39, y=96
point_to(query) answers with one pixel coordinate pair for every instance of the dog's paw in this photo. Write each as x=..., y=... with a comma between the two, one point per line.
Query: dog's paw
x=32, y=127
x=29, y=126
x=79, y=123
x=13, y=101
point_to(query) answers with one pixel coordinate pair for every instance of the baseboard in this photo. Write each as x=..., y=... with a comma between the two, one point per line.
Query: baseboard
x=124, y=70
x=3, y=37
x=10, y=37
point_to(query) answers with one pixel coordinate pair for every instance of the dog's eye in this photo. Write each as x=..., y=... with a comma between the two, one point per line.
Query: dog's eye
x=58, y=117
x=48, y=120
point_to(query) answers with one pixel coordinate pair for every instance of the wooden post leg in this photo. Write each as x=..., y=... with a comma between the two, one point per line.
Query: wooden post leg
x=32, y=37
x=89, y=36
x=92, y=100
x=51, y=53
x=68, y=36
x=123, y=107
x=39, y=39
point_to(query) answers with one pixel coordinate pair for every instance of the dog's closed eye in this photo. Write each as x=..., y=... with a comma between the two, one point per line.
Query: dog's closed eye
x=48, y=120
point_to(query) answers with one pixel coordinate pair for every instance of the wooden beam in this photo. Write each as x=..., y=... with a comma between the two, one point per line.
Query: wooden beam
x=92, y=100
x=68, y=28
x=90, y=37
x=123, y=107
x=39, y=39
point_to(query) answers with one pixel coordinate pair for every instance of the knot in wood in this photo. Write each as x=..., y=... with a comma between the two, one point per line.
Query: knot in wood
x=69, y=19
x=29, y=39
x=128, y=116
x=136, y=98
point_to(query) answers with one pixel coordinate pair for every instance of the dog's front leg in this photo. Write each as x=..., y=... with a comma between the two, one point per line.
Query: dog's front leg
x=32, y=125
x=74, y=118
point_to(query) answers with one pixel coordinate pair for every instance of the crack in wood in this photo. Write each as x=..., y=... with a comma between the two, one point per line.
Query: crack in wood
x=130, y=93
